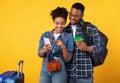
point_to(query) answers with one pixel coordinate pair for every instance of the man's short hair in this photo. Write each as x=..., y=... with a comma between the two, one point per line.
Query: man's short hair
x=78, y=6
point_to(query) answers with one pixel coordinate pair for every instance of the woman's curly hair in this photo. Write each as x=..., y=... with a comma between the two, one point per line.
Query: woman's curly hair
x=59, y=12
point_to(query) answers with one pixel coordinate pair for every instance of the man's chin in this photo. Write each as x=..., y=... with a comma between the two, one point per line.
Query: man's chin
x=73, y=23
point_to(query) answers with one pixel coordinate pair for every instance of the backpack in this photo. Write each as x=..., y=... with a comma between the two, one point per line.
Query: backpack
x=98, y=59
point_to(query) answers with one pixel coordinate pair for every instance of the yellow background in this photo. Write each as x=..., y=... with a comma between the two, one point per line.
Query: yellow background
x=23, y=21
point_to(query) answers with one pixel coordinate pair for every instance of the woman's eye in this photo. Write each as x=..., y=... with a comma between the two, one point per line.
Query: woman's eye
x=62, y=23
x=56, y=23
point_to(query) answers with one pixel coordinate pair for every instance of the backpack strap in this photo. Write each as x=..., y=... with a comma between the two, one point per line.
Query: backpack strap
x=84, y=29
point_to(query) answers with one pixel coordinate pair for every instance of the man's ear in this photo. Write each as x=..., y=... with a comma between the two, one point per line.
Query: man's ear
x=82, y=14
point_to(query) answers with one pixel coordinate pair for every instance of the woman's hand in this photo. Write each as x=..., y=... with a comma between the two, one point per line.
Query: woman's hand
x=66, y=54
x=59, y=42
x=47, y=48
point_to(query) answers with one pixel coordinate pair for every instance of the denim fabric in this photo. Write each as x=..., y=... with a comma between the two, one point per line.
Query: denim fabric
x=66, y=38
x=60, y=76
x=83, y=80
x=55, y=77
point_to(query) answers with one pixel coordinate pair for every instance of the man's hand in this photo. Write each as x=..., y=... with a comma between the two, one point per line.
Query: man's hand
x=82, y=46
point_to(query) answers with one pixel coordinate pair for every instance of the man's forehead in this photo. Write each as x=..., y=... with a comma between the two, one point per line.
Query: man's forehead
x=76, y=11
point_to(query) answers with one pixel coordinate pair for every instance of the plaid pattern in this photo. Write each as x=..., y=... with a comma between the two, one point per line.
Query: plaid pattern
x=81, y=66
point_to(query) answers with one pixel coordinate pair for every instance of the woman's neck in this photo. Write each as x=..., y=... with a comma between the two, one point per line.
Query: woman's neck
x=56, y=32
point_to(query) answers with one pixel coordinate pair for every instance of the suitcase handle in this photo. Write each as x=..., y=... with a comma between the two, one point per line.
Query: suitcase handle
x=20, y=62
x=20, y=68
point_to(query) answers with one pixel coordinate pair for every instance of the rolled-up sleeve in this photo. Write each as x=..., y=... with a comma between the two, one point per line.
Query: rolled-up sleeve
x=41, y=44
x=97, y=42
x=70, y=46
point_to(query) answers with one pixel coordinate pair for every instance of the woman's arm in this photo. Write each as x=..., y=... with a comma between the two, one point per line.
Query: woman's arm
x=66, y=54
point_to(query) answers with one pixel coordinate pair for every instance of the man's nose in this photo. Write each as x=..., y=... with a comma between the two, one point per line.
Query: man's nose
x=72, y=17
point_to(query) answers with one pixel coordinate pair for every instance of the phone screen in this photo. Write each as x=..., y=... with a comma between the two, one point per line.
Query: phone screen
x=47, y=41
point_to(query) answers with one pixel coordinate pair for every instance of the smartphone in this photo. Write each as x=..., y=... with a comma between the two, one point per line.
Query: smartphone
x=47, y=41
x=77, y=38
